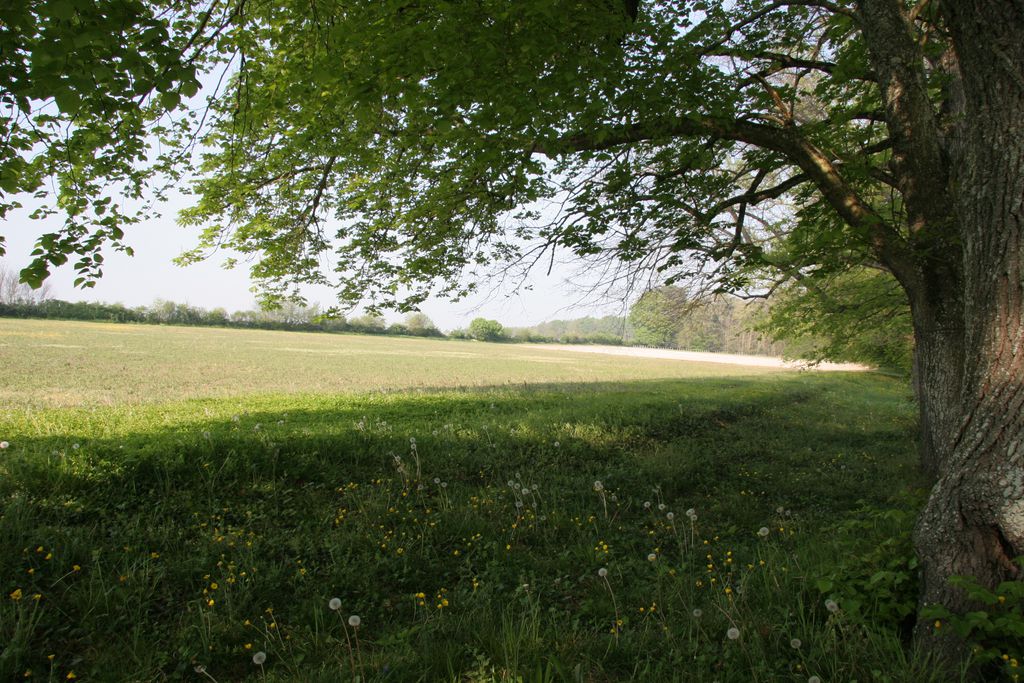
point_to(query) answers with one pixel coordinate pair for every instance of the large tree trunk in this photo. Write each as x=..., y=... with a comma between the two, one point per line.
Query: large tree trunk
x=973, y=523
x=939, y=352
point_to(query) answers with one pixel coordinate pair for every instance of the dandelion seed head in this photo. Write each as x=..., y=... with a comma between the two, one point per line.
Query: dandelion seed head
x=763, y=532
x=354, y=621
x=334, y=604
x=598, y=486
x=651, y=557
x=670, y=516
x=795, y=643
x=733, y=633
x=4, y=445
x=647, y=505
x=832, y=606
x=698, y=613
x=814, y=679
x=602, y=572
x=661, y=507
x=259, y=658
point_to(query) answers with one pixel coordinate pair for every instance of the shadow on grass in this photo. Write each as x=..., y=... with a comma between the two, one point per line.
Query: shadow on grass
x=157, y=502
x=799, y=439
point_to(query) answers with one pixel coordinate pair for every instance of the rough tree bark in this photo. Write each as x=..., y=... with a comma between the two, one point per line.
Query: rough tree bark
x=973, y=523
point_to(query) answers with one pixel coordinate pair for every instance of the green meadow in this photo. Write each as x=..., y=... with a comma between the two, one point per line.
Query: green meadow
x=203, y=504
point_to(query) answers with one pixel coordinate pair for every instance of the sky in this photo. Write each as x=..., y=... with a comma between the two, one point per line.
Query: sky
x=150, y=274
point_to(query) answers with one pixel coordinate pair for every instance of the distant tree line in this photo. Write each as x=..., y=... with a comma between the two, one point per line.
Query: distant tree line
x=291, y=317
x=830, y=321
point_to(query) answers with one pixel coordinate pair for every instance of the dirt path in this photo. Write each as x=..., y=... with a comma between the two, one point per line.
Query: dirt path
x=702, y=357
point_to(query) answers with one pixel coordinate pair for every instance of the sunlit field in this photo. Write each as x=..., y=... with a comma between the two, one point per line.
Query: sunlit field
x=46, y=363
x=195, y=504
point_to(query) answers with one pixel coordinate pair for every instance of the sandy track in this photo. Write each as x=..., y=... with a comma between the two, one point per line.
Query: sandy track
x=702, y=357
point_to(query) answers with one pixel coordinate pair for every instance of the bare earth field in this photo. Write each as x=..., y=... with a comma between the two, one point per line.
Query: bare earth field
x=704, y=357
x=62, y=363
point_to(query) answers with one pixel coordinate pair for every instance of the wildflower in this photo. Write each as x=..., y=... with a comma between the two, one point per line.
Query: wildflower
x=795, y=643
x=354, y=620
x=76, y=567
x=334, y=604
x=697, y=612
x=259, y=658
x=602, y=572
x=16, y=594
x=763, y=532
x=71, y=676
x=832, y=606
x=733, y=633
x=248, y=646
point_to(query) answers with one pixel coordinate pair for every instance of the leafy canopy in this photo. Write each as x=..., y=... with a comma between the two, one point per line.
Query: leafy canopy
x=87, y=89
x=398, y=149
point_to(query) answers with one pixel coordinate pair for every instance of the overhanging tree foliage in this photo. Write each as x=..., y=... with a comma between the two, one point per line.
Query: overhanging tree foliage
x=82, y=85
x=412, y=146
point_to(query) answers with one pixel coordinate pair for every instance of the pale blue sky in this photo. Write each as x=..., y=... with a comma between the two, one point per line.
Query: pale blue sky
x=151, y=275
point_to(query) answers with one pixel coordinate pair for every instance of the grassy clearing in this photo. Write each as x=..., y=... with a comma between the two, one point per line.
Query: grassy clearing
x=468, y=531
x=58, y=364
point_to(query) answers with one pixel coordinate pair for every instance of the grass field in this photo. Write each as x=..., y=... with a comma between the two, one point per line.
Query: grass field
x=184, y=504
x=48, y=364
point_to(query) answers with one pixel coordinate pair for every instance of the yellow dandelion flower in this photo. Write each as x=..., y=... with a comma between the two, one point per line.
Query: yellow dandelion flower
x=16, y=594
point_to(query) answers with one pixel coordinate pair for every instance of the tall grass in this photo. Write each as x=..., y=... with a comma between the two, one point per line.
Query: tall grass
x=467, y=531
